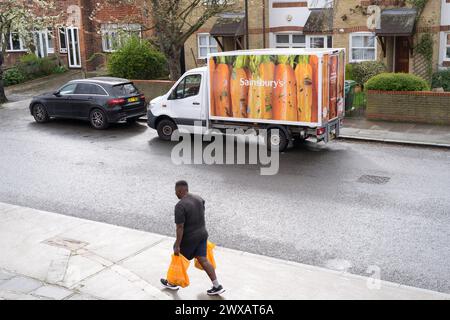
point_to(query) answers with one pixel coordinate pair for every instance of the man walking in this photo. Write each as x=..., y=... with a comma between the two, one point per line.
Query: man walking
x=192, y=236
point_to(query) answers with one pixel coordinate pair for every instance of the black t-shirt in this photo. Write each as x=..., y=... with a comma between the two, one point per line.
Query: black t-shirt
x=190, y=210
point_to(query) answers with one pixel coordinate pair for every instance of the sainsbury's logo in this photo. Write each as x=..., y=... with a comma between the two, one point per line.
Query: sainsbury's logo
x=262, y=83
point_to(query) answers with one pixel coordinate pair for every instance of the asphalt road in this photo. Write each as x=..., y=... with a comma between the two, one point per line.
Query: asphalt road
x=314, y=211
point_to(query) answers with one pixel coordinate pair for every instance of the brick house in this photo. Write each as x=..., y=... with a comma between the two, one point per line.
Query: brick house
x=86, y=29
x=369, y=29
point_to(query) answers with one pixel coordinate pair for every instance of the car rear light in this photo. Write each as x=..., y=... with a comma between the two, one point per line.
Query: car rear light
x=115, y=102
x=320, y=131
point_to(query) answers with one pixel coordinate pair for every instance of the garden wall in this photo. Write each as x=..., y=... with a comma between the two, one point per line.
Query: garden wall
x=153, y=88
x=409, y=106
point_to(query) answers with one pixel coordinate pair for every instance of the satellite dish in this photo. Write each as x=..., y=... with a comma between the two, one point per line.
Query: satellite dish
x=373, y=21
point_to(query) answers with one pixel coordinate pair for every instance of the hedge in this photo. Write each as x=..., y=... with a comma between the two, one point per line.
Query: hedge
x=396, y=82
x=363, y=71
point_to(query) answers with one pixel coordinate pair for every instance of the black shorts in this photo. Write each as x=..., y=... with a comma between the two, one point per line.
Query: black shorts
x=190, y=250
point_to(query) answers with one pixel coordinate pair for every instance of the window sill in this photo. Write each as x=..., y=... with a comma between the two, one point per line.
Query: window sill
x=358, y=61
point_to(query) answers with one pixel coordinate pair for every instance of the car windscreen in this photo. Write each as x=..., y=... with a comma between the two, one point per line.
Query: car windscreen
x=125, y=89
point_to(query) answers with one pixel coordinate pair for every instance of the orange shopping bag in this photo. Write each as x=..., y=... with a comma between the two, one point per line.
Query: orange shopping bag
x=177, y=273
x=209, y=255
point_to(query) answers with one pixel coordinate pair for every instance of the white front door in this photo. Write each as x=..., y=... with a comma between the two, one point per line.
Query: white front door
x=73, y=47
x=185, y=100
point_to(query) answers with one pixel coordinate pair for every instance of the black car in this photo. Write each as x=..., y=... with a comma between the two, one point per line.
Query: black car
x=101, y=100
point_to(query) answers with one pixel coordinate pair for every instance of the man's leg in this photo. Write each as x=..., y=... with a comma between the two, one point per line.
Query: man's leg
x=209, y=269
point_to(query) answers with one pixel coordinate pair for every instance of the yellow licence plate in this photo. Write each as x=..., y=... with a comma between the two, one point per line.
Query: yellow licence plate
x=134, y=99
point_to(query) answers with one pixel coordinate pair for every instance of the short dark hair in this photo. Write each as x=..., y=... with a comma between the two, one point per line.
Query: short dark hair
x=181, y=183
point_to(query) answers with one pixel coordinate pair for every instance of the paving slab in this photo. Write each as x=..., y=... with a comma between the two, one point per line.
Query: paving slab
x=20, y=284
x=6, y=275
x=52, y=292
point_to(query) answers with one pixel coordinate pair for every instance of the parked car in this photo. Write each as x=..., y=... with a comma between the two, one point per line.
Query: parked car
x=100, y=100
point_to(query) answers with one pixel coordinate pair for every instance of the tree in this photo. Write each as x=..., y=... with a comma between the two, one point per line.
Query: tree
x=22, y=17
x=173, y=22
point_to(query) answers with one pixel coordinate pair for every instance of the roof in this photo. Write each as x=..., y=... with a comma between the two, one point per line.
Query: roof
x=319, y=21
x=104, y=80
x=229, y=25
x=397, y=22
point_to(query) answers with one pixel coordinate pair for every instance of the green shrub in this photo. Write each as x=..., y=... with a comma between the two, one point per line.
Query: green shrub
x=363, y=71
x=13, y=76
x=47, y=65
x=136, y=59
x=59, y=69
x=349, y=71
x=29, y=58
x=441, y=79
x=397, y=82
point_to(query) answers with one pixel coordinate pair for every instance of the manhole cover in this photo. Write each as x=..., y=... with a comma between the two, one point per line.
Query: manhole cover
x=373, y=179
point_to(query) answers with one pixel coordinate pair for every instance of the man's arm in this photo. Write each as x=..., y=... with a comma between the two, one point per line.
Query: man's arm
x=176, y=246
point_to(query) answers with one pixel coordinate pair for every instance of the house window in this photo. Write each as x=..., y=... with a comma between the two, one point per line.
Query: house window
x=447, y=47
x=362, y=47
x=14, y=42
x=62, y=40
x=290, y=40
x=114, y=35
x=206, y=44
x=43, y=42
x=320, y=42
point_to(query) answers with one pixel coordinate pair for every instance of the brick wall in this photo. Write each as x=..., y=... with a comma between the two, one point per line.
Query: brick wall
x=153, y=88
x=407, y=106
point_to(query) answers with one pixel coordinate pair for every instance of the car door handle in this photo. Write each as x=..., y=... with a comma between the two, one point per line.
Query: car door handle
x=196, y=103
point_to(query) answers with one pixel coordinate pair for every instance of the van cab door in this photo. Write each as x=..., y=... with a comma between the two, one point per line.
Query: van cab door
x=186, y=101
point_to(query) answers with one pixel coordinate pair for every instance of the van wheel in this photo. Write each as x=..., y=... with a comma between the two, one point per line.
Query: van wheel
x=40, y=113
x=98, y=119
x=165, y=129
x=277, y=140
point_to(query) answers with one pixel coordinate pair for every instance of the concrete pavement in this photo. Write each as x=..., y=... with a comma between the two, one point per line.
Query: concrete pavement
x=51, y=256
x=396, y=132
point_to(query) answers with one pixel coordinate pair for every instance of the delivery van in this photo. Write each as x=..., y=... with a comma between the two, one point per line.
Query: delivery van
x=300, y=92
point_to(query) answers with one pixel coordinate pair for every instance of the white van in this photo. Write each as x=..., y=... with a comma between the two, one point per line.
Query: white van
x=298, y=91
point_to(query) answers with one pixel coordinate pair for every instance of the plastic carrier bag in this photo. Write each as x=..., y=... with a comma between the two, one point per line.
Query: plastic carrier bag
x=209, y=255
x=177, y=273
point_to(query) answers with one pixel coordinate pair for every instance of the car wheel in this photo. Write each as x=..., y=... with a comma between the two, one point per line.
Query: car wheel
x=40, y=113
x=277, y=140
x=98, y=119
x=165, y=129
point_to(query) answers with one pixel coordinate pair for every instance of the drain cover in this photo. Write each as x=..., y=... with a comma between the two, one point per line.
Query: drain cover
x=373, y=179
